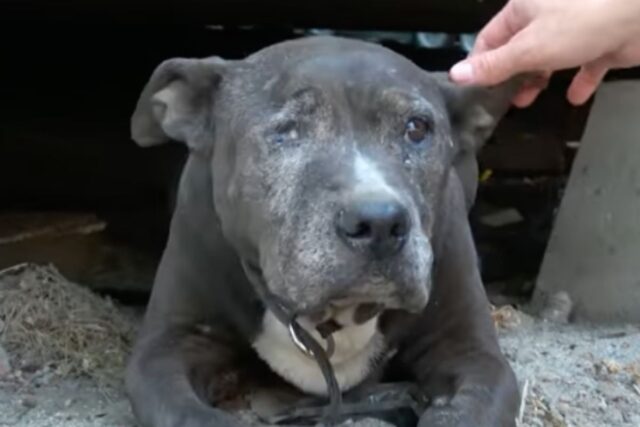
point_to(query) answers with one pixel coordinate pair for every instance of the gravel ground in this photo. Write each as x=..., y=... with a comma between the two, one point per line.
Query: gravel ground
x=63, y=402
x=572, y=375
x=577, y=375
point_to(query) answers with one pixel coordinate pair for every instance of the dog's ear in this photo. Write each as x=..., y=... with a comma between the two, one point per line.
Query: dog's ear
x=176, y=104
x=474, y=111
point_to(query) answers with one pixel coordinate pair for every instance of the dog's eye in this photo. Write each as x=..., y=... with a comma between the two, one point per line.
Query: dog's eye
x=285, y=132
x=416, y=130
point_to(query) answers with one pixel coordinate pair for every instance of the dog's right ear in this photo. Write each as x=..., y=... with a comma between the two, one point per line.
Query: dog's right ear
x=476, y=111
x=177, y=103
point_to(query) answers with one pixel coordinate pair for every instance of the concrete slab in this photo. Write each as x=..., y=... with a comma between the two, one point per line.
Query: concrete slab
x=594, y=250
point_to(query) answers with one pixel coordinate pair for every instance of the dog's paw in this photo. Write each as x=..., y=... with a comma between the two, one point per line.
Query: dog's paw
x=446, y=415
x=205, y=418
x=444, y=418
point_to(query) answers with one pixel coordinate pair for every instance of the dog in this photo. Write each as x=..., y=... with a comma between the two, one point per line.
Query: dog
x=335, y=176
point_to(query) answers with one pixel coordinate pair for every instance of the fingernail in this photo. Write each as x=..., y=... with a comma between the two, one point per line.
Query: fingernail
x=462, y=72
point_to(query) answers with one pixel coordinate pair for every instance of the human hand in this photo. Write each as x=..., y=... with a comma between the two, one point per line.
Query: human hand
x=543, y=36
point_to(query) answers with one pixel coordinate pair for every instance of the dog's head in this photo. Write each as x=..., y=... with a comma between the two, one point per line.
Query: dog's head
x=328, y=158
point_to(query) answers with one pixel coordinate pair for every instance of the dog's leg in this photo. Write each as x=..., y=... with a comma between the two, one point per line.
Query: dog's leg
x=453, y=351
x=171, y=379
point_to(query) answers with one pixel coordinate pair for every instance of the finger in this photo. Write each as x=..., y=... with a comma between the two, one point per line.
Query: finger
x=586, y=81
x=502, y=27
x=495, y=66
x=526, y=96
x=531, y=89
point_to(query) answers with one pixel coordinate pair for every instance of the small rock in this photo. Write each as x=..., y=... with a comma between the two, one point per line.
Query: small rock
x=611, y=366
x=366, y=422
x=29, y=402
x=602, y=405
x=558, y=308
x=86, y=364
x=607, y=368
x=563, y=408
x=440, y=401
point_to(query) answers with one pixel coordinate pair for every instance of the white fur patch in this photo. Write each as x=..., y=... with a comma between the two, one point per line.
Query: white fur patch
x=356, y=347
x=369, y=179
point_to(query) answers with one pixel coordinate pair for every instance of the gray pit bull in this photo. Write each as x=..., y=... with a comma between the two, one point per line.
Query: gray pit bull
x=336, y=176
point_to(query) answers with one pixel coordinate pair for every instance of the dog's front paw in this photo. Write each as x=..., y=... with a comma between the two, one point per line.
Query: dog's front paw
x=208, y=417
x=445, y=417
x=446, y=413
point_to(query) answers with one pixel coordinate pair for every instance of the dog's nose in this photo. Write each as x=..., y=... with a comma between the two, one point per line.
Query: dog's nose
x=378, y=226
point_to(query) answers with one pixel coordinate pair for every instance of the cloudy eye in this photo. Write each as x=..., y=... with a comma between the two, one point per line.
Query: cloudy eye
x=416, y=130
x=287, y=131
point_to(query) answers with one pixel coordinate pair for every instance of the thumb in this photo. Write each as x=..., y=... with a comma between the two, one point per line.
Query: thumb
x=493, y=66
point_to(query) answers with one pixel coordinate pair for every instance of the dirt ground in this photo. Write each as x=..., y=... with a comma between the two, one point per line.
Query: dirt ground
x=571, y=375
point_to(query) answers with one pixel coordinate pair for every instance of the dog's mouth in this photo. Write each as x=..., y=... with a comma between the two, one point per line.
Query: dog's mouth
x=322, y=321
x=325, y=324
x=341, y=314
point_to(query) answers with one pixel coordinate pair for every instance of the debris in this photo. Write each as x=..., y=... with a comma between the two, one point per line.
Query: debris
x=618, y=334
x=523, y=402
x=5, y=362
x=22, y=226
x=507, y=317
x=15, y=269
x=573, y=145
x=612, y=366
x=634, y=370
x=607, y=367
x=502, y=218
x=486, y=175
x=51, y=321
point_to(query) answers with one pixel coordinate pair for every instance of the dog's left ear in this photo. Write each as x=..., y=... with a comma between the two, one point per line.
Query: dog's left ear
x=475, y=112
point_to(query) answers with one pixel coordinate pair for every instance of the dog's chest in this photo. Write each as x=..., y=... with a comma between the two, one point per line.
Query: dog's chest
x=357, y=349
